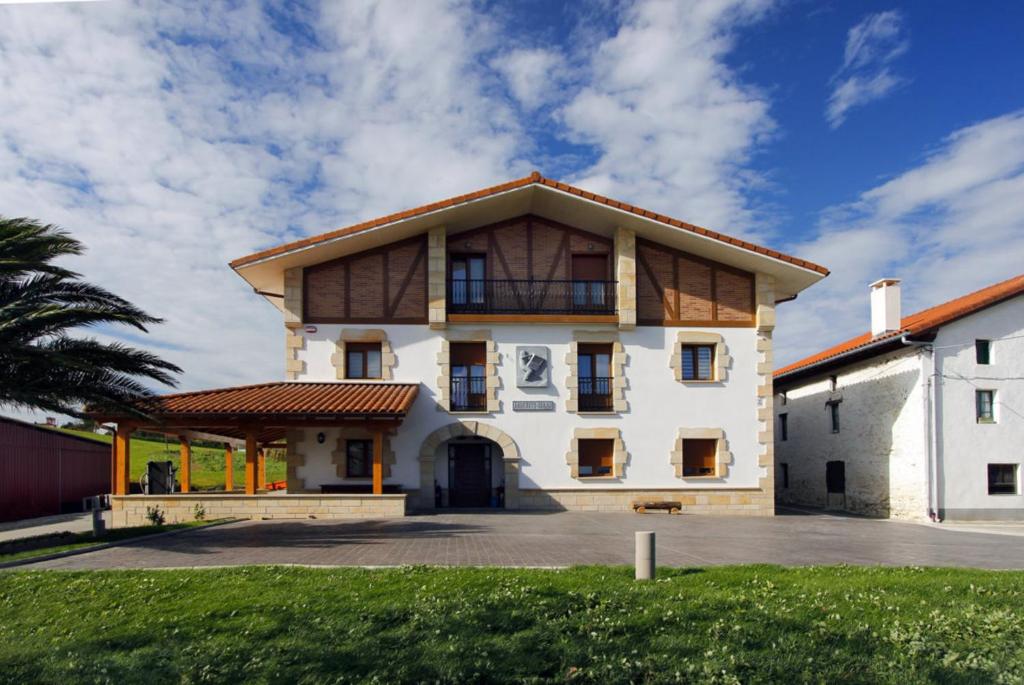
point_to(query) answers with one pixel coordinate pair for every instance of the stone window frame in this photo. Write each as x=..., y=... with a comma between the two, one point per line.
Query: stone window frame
x=388, y=360
x=491, y=362
x=619, y=454
x=339, y=457
x=723, y=457
x=721, y=362
x=618, y=363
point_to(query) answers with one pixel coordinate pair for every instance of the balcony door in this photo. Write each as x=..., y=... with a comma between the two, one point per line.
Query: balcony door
x=589, y=281
x=467, y=287
x=468, y=374
x=594, y=364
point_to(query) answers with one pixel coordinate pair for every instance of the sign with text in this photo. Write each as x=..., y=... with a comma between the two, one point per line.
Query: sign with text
x=533, y=405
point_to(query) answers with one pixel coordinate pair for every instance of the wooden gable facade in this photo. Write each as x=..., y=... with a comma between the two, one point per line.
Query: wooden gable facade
x=389, y=284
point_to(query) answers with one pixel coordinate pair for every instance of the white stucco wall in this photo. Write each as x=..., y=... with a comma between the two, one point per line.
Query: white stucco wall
x=965, y=447
x=658, y=406
x=881, y=438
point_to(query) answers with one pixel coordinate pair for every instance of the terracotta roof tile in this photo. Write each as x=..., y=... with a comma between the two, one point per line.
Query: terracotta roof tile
x=290, y=399
x=534, y=177
x=916, y=324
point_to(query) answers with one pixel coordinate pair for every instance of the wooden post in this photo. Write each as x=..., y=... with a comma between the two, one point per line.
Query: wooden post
x=124, y=459
x=113, y=463
x=251, y=449
x=229, y=467
x=378, y=461
x=185, y=470
x=261, y=469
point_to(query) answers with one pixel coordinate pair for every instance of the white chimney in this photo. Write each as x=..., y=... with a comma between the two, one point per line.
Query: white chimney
x=885, y=306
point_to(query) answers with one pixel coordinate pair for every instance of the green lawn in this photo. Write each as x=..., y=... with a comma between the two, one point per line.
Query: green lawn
x=725, y=625
x=51, y=544
x=207, y=463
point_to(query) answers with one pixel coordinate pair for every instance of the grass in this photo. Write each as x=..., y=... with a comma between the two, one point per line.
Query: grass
x=27, y=548
x=751, y=624
x=207, y=462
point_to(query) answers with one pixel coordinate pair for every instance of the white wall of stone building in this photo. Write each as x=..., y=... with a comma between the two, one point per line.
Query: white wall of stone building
x=658, y=406
x=965, y=447
x=881, y=437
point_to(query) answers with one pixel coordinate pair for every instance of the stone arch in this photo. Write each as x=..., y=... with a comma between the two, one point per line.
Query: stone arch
x=460, y=429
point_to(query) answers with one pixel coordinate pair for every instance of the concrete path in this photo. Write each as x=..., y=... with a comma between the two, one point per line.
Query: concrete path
x=562, y=539
x=48, y=525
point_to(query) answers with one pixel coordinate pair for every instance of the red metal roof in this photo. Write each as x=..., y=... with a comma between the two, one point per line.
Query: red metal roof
x=922, y=322
x=287, y=399
x=534, y=178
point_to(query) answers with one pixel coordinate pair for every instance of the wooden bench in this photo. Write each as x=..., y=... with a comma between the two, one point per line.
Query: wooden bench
x=670, y=507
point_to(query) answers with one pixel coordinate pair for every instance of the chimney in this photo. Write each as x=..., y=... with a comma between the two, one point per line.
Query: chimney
x=885, y=306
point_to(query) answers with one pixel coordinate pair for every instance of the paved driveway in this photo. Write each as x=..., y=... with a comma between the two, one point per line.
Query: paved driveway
x=562, y=539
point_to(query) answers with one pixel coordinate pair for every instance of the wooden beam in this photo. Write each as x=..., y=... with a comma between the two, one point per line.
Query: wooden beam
x=185, y=470
x=229, y=467
x=378, y=462
x=122, y=486
x=261, y=469
x=251, y=448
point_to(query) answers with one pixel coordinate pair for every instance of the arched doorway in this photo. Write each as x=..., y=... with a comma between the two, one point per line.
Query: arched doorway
x=477, y=457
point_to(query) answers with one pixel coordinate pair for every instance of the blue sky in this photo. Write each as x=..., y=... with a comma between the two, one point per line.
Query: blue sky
x=876, y=138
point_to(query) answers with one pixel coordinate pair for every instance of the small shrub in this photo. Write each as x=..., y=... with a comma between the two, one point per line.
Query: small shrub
x=199, y=512
x=155, y=516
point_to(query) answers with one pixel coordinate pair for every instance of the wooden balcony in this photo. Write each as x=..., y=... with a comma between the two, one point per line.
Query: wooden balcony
x=486, y=298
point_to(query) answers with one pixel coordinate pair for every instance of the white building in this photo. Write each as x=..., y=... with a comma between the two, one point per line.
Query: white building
x=922, y=417
x=530, y=345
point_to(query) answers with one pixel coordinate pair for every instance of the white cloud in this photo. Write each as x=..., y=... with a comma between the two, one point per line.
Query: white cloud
x=865, y=76
x=953, y=224
x=674, y=126
x=533, y=75
x=173, y=138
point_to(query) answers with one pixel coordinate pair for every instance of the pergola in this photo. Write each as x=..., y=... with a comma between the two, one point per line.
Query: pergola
x=260, y=415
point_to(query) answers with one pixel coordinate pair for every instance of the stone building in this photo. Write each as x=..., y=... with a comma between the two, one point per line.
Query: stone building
x=923, y=417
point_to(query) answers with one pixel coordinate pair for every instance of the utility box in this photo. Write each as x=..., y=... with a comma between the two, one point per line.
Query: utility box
x=160, y=478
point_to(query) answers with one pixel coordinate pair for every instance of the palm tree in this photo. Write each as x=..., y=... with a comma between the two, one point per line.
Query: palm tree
x=41, y=365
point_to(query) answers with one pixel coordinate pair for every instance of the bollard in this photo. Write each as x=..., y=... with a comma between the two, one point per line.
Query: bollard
x=645, y=555
x=99, y=526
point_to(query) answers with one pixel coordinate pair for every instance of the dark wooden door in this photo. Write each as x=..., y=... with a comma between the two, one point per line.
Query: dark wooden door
x=469, y=476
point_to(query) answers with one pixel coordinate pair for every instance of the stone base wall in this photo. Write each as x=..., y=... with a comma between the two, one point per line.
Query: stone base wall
x=130, y=510
x=732, y=501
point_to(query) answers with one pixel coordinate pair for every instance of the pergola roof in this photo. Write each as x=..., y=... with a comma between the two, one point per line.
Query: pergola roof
x=269, y=408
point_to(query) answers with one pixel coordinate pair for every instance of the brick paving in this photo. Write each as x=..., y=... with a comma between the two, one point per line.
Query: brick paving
x=561, y=539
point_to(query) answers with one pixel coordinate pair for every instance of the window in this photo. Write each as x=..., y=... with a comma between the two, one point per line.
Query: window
x=1002, y=479
x=783, y=398
x=594, y=377
x=784, y=427
x=595, y=457
x=698, y=362
x=358, y=458
x=833, y=415
x=699, y=457
x=985, y=401
x=785, y=474
x=362, y=360
x=468, y=376
x=467, y=283
x=983, y=351
x=589, y=282
x=833, y=383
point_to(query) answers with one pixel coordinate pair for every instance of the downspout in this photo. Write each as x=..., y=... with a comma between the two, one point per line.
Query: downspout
x=928, y=376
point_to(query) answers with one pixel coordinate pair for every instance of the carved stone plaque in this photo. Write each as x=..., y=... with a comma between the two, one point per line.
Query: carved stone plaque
x=533, y=405
x=533, y=367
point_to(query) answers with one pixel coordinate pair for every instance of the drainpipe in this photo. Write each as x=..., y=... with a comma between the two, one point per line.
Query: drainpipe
x=928, y=376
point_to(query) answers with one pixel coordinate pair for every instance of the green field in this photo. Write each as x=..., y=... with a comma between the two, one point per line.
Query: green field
x=207, y=463
x=751, y=624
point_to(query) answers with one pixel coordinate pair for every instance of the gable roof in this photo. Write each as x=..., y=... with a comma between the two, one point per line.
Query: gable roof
x=534, y=178
x=922, y=323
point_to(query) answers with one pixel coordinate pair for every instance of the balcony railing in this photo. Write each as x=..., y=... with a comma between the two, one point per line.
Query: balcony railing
x=469, y=393
x=531, y=297
x=595, y=393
